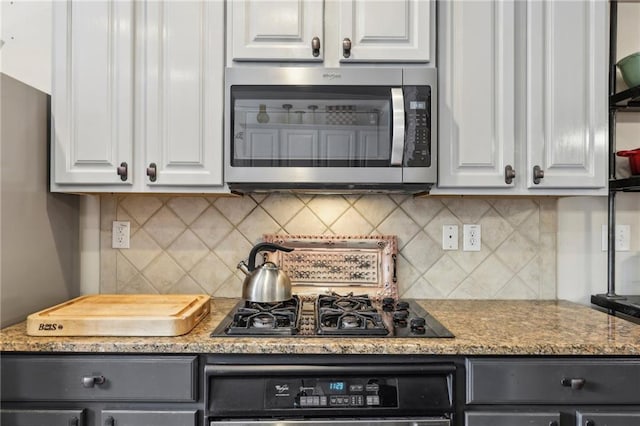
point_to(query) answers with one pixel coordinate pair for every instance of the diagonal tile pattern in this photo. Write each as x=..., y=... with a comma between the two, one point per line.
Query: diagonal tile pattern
x=193, y=244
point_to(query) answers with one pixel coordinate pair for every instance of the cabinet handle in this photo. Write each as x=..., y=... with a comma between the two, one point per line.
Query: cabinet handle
x=509, y=174
x=576, y=384
x=538, y=174
x=109, y=421
x=91, y=381
x=553, y=423
x=123, y=171
x=346, y=47
x=315, y=47
x=589, y=422
x=152, y=172
x=73, y=421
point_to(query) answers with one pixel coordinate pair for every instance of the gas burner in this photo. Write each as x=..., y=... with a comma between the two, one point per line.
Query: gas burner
x=348, y=321
x=253, y=318
x=264, y=321
x=352, y=315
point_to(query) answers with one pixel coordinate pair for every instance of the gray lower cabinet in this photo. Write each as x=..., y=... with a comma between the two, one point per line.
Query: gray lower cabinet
x=585, y=418
x=107, y=390
x=148, y=418
x=42, y=417
x=552, y=391
x=496, y=418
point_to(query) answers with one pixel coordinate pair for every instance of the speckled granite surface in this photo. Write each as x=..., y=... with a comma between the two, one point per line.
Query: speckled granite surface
x=491, y=327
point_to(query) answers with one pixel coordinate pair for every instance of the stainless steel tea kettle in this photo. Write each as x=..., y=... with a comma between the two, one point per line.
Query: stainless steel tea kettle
x=266, y=283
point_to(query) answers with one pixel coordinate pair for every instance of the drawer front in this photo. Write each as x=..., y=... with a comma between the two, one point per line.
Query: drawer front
x=608, y=419
x=496, y=418
x=126, y=378
x=148, y=418
x=514, y=381
x=42, y=417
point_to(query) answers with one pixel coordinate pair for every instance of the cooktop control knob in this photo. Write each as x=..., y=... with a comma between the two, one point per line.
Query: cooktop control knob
x=402, y=306
x=417, y=325
x=387, y=304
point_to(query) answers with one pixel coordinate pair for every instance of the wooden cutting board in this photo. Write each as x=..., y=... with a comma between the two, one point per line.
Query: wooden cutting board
x=121, y=315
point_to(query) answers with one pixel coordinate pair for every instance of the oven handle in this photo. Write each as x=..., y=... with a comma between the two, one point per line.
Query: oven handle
x=294, y=370
x=439, y=421
x=397, y=135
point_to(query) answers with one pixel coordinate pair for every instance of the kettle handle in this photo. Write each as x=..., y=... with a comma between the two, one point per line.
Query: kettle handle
x=263, y=247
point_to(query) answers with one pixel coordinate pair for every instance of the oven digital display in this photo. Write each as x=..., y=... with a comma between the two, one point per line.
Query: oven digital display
x=417, y=105
x=337, y=387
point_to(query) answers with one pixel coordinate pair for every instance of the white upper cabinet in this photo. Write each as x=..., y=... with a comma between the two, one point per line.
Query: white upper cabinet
x=182, y=81
x=289, y=30
x=567, y=93
x=334, y=30
x=92, y=93
x=476, y=93
x=384, y=31
x=148, y=101
x=523, y=97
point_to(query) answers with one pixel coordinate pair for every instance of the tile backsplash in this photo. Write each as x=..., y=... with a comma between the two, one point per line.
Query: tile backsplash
x=193, y=244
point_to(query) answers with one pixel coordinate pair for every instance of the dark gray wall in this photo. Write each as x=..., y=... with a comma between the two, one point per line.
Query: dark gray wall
x=39, y=253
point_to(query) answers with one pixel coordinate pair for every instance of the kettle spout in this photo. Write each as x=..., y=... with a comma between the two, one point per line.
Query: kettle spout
x=244, y=268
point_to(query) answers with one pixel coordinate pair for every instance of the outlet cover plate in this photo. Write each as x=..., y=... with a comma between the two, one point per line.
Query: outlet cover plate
x=471, y=237
x=449, y=237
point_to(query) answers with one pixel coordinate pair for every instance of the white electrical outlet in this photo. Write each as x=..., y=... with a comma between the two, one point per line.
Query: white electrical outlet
x=120, y=235
x=622, y=237
x=449, y=237
x=471, y=238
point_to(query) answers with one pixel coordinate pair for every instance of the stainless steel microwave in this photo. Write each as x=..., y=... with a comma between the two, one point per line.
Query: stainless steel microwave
x=330, y=129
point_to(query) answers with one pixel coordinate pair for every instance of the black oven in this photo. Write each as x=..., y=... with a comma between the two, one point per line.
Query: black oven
x=317, y=390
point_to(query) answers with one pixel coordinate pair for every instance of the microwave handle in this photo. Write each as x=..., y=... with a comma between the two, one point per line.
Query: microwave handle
x=397, y=126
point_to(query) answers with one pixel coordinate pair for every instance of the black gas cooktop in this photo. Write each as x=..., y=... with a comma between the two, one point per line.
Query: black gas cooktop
x=331, y=315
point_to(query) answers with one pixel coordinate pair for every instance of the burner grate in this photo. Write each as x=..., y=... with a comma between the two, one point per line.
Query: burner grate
x=348, y=315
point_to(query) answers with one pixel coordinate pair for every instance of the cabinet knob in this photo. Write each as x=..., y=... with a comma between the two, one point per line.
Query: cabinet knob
x=589, y=422
x=315, y=47
x=538, y=174
x=509, y=174
x=152, y=172
x=91, y=381
x=553, y=423
x=109, y=421
x=123, y=171
x=73, y=421
x=346, y=47
x=576, y=384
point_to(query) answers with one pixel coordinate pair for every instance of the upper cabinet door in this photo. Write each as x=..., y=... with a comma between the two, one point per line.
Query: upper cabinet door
x=276, y=30
x=182, y=84
x=567, y=93
x=476, y=93
x=384, y=30
x=92, y=93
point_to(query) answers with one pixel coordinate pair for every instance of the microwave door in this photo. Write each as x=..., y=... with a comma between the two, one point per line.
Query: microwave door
x=397, y=134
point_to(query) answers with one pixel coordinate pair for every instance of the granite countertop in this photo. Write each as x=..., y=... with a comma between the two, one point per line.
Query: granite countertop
x=489, y=327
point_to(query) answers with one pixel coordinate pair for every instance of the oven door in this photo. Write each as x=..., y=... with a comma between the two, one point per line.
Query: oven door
x=312, y=126
x=433, y=421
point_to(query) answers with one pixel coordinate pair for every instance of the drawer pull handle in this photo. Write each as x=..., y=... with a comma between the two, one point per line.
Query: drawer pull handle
x=91, y=381
x=576, y=384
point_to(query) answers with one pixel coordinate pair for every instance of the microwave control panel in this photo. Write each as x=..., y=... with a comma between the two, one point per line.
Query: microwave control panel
x=417, y=106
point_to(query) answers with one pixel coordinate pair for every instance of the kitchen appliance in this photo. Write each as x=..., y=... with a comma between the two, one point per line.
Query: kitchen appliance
x=331, y=315
x=344, y=285
x=329, y=391
x=266, y=283
x=330, y=129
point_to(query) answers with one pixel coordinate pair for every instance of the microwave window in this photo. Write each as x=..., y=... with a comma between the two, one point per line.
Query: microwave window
x=310, y=126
